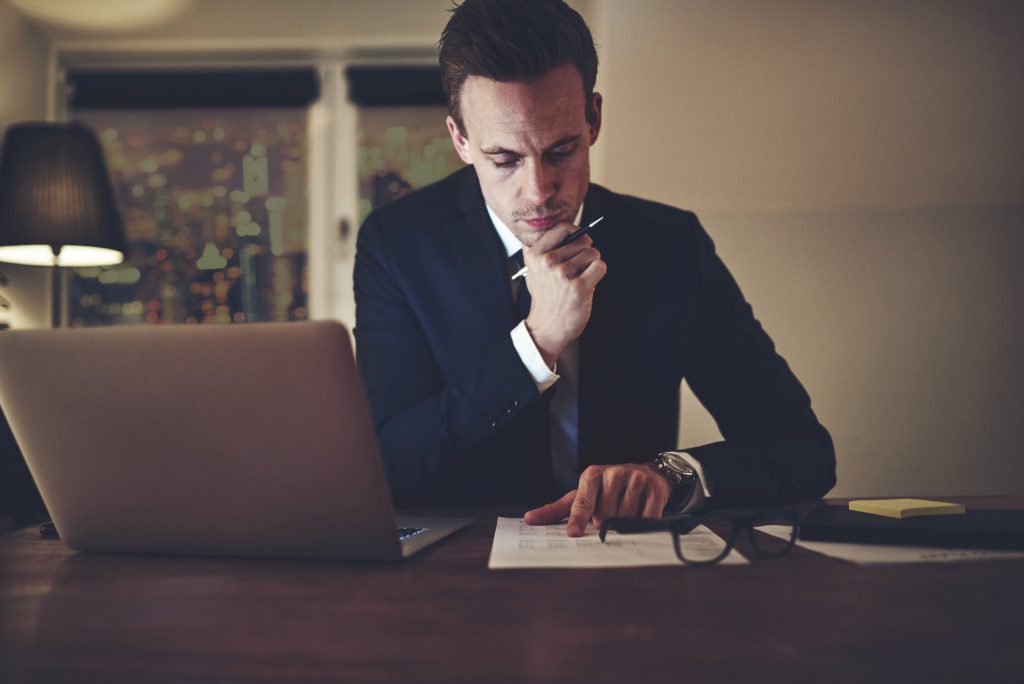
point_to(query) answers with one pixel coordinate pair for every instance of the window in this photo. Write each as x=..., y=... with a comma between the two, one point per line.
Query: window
x=401, y=149
x=210, y=171
x=403, y=143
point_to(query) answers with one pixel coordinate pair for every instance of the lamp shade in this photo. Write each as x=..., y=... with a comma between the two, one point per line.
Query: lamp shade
x=56, y=198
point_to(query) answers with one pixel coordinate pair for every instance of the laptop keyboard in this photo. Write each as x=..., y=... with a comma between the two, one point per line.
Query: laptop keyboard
x=407, y=532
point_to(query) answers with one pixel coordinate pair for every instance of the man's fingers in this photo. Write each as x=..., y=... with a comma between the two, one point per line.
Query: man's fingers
x=632, y=499
x=586, y=499
x=604, y=492
x=563, y=254
x=552, y=512
x=655, y=502
x=551, y=237
x=582, y=259
x=613, y=480
x=592, y=275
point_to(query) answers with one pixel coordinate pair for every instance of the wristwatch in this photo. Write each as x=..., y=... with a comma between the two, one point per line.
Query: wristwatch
x=682, y=476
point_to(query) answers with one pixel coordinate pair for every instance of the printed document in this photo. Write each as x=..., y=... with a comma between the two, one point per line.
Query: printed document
x=518, y=545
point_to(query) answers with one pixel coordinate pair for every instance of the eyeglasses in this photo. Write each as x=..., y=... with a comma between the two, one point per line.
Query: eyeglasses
x=776, y=531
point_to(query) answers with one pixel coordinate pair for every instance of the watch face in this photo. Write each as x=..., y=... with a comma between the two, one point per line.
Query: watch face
x=678, y=464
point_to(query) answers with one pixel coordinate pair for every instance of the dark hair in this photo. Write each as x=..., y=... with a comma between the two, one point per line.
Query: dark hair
x=513, y=41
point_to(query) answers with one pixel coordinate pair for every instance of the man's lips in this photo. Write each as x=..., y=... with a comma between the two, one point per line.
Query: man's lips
x=542, y=223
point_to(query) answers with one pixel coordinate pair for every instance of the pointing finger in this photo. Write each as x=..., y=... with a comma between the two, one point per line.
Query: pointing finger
x=586, y=500
x=552, y=512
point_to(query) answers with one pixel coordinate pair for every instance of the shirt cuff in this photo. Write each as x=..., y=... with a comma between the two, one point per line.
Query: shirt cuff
x=534, y=362
x=701, y=492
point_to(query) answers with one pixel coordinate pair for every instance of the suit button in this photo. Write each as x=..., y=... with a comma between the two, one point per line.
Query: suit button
x=494, y=424
x=515, y=403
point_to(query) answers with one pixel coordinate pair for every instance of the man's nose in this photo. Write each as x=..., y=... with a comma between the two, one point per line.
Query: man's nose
x=541, y=182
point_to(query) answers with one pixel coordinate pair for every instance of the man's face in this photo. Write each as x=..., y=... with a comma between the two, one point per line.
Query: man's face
x=530, y=146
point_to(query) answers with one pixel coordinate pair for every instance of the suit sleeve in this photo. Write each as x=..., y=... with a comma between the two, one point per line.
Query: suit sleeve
x=427, y=426
x=774, y=448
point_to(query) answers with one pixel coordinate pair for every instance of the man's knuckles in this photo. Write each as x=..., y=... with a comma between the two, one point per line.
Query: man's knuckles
x=552, y=237
x=583, y=503
x=613, y=479
x=637, y=484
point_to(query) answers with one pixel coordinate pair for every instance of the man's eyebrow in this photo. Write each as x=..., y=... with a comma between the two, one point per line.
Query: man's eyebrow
x=497, y=149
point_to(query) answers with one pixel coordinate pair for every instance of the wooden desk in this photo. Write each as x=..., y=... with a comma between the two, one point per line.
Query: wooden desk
x=443, y=617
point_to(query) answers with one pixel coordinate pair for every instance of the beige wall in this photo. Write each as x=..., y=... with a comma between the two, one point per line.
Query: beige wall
x=859, y=166
x=799, y=104
x=23, y=60
x=23, y=57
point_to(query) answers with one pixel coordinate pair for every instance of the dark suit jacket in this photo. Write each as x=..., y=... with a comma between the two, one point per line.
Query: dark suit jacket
x=455, y=408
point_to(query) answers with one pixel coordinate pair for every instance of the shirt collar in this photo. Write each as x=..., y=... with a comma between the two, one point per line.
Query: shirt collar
x=508, y=238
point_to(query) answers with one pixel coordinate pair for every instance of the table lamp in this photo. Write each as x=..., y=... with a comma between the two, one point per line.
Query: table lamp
x=57, y=205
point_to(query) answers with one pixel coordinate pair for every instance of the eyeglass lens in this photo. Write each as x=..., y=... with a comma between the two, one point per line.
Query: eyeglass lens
x=698, y=548
x=773, y=532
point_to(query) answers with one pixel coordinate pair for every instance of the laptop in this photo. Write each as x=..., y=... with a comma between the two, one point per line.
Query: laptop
x=215, y=440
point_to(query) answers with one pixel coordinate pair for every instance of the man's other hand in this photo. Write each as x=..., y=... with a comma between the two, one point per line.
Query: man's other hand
x=561, y=282
x=613, y=491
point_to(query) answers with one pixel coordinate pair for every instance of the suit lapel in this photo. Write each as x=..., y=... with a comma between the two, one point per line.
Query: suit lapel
x=481, y=263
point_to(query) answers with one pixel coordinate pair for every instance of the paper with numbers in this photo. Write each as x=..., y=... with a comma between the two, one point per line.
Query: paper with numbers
x=518, y=545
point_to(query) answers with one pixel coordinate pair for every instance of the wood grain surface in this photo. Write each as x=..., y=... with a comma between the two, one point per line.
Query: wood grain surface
x=444, y=617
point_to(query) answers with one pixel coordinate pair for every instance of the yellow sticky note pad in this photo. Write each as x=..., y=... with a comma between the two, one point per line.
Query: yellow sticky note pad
x=905, y=508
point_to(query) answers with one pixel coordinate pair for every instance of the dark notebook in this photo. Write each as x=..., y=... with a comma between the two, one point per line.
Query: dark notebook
x=975, y=529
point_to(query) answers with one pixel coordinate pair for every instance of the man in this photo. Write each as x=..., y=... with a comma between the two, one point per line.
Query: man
x=475, y=403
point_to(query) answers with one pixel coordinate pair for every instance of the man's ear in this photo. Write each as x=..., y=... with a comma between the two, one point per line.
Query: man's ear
x=594, y=117
x=459, y=141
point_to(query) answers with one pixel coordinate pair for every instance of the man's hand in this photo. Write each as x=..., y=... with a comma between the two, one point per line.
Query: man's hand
x=629, y=489
x=561, y=282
